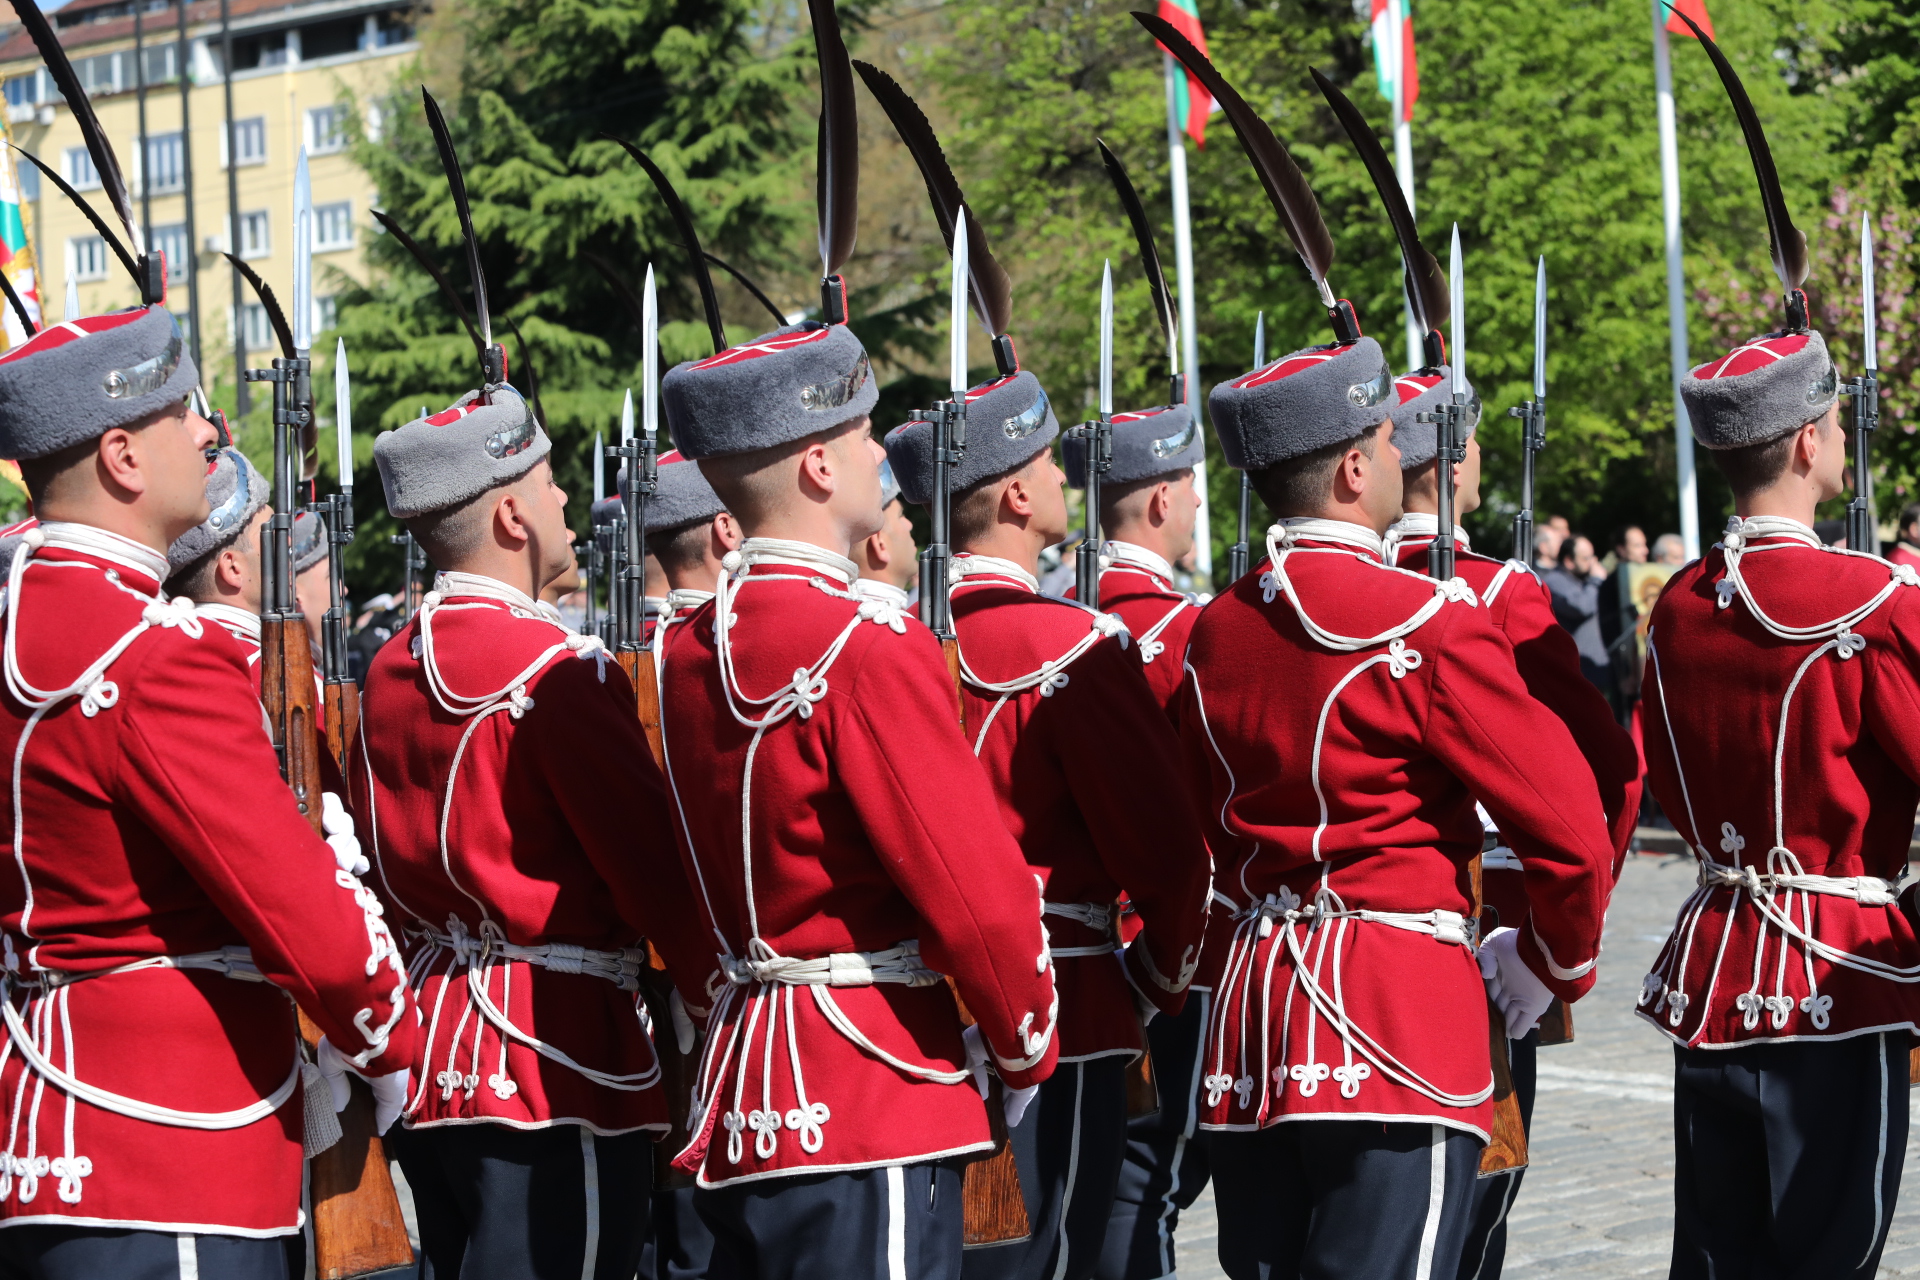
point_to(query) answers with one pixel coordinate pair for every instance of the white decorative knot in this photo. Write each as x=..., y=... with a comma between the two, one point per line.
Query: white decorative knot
x=1308, y=1076
x=1732, y=539
x=1151, y=649
x=1269, y=587
x=955, y=573
x=1217, y=1086
x=1726, y=589
x=731, y=562
x=1401, y=659
x=1750, y=1004
x=1731, y=841
x=885, y=613
x=1106, y=563
x=1817, y=1008
x=734, y=1122
x=1848, y=643
x=766, y=1132
x=98, y=696
x=7, y=954
x=418, y=648
x=70, y=1169
x=1779, y=1007
x=1051, y=680
x=1243, y=1092
x=519, y=702
x=1456, y=590
x=1030, y=1041
x=35, y=538
x=1906, y=575
x=431, y=600
x=1349, y=1078
x=29, y=1170
x=1110, y=624
x=1651, y=987
x=502, y=1087
x=806, y=1121
x=1677, y=1002
x=177, y=612
x=806, y=690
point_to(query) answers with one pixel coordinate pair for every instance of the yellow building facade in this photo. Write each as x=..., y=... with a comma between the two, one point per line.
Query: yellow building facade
x=300, y=73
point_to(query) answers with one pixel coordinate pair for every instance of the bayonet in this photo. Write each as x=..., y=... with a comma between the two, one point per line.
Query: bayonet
x=302, y=256
x=949, y=419
x=1446, y=420
x=342, y=693
x=1863, y=393
x=1533, y=420
x=1098, y=438
x=1239, y=554
x=642, y=456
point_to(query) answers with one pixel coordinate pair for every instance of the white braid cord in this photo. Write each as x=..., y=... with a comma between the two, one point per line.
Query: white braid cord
x=520, y=605
x=1782, y=874
x=1126, y=555
x=764, y=981
x=1363, y=545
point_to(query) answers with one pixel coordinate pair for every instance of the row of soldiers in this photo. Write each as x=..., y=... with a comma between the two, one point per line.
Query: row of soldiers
x=845, y=941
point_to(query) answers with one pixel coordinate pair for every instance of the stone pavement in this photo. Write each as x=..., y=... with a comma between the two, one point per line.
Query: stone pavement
x=1598, y=1200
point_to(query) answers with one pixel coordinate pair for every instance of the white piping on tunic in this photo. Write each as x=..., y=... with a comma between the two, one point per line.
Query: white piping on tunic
x=1127, y=555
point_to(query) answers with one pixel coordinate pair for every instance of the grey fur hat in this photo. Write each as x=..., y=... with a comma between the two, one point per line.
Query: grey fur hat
x=1761, y=390
x=606, y=511
x=236, y=491
x=456, y=455
x=309, y=541
x=889, y=484
x=1421, y=393
x=1008, y=421
x=1146, y=445
x=73, y=381
x=1302, y=402
x=682, y=497
x=782, y=386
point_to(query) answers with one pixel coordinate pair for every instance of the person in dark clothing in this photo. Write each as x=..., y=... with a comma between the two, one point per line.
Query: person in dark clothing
x=1576, y=605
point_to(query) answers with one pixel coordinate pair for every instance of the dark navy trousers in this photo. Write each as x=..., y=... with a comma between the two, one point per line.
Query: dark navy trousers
x=1165, y=1168
x=1485, y=1251
x=901, y=1222
x=50, y=1252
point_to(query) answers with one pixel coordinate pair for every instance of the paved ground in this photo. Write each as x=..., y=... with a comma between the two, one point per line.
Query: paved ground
x=1598, y=1199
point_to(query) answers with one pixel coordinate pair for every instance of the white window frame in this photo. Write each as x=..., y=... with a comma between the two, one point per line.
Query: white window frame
x=241, y=129
x=253, y=245
x=326, y=313
x=87, y=258
x=342, y=211
x=334, y=118
x=254, y=324
x=81, y=178
x=140, y=155
x=176, y=266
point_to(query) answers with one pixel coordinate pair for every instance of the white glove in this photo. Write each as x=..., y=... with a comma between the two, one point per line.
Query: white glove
x=389, y=1091
x=1016, y=1101
x=1514, y=988
x=338, y=824
x=684, y=1031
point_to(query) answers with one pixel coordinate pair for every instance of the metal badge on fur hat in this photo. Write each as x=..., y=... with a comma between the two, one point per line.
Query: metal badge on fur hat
x=309, y=541
x=456, y=455
x=1146, y=445
x=1420, y=393
x=76, y=380
x=781, y=387
x=236, y=492
x=1008, y=421
x=1760, y=391
x=1302, y=402
x=683, y=497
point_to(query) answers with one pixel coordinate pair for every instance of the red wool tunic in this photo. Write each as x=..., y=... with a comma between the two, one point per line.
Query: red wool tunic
x=151, y=844
x=867, y=825
x=1543, y=650
x=1342, y=760
x=1789, y=762
x=1087, y=774
x=512, y=800
x=1137, y=586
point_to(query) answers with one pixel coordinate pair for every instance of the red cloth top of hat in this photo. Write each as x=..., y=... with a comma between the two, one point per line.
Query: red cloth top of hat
x=1287, y=368
x=1757, y=354
x=60, y=335
x=1415, y=385
x=765, y=347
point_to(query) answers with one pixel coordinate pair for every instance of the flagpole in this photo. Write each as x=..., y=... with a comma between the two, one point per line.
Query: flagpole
x=1403, y=159
x=1676, y=284
x=1189, y=341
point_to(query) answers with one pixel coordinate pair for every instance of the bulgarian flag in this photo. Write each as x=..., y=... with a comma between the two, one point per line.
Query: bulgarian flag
x=1695, y=9
x=16, y=255
x=1191, y=101
x=1393, y=53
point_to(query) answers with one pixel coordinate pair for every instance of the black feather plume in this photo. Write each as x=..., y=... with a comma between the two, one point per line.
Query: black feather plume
x=107, y=233
x=457, y=184
x=1426, y=282
x=1149, y=253
x=746, y=282
x=628, y=299
x=689, y=239
x=533, y=379
x=427, y=264
x=837, y=185
x=19, y=307
x=1789, y=244
x=1285, y=185
x=275, y=316
x=992, y=291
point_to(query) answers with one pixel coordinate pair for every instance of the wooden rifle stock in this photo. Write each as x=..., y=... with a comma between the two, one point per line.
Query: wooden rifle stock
x=993, y=1210
x=343, y=718
x=1507, y=1136
x=1556, y=1024
x=357, y=1225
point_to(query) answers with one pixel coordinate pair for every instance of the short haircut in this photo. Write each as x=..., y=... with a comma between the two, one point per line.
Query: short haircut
x=681, y=550
x=1570, y=545
x=976, y=507
x=1303, y=485
x=1752, y=467
x=1116, y=500
x=753, y=485
x=40, y=473
x=450, y=535
x=1619, y=538
x=1908, y=515
x=195, y=580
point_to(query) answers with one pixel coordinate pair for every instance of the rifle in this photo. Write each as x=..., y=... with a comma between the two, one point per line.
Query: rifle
x=342, y=693
x=1864, y=394
x=357, y=1224
x=1098, y=437
x=1533, y=420
x=1239, y=556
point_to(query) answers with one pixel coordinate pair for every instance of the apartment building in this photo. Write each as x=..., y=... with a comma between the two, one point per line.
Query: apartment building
x=298, y=73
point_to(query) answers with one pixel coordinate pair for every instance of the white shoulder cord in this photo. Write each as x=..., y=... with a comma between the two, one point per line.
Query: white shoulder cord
x=1737, y=545
x=1412, y=525
x=520, y=605
x=676, y=600
x=1281, y=540
x=1125, y=555
x=1051, y=674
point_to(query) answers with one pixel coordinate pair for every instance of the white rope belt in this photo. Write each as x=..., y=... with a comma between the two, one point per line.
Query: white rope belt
x=621, y=968
x=899, y=964
x=1098, y=916
x=1445, y=926
x=234, y=962
x=1868, y=891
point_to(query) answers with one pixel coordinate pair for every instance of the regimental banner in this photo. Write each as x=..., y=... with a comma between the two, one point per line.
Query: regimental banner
x=1191, y=102
x=16, y=252
x=1393, y=60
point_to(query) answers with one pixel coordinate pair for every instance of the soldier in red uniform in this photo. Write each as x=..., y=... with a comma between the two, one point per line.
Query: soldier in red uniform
x=842, y=838
x=1783, y=738
x=152, y=1082
x=1050, y=691
x=517, y=824
x=1549, y=664
x=1341, y=715
x=216, y=564
x=888, y=560
x=689, y=533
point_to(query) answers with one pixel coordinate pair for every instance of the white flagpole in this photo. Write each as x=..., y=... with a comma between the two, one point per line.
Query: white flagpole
x=1676, y=284
x=1189, y=342
x=1403, y=153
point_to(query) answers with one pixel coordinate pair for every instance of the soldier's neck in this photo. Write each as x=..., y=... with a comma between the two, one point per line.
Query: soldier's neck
x=1148, y=537
x=101, y=510
x=1021, y=544
x=1787, y=499
x=518, y=569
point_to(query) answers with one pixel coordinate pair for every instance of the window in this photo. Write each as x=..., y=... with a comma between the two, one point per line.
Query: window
x=249, y=141
x=253, y=235
x=172, y=241
x=327, y=129
x=102, y=74
x=166, y=162
x=332, y=226
x=87, y=258
x=162, y=63
x=326, y=313
x=29, y=90
x=29, y=181
x=255, y=332
x=80, y=170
